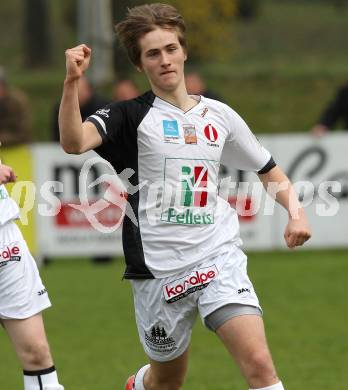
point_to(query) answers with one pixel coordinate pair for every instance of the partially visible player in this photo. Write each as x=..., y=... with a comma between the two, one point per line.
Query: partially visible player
x=183, y=256
x=23, y=297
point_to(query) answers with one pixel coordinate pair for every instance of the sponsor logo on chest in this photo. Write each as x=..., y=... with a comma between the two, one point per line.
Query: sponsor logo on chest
x=171, y=131
x=194, y=182
x=196, y=280
x=211, y=136
x=190, y=134
x=193, y=134
x=189, y=192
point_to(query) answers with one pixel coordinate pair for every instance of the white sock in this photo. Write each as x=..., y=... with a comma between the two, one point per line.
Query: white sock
x=277, y=386
x=139, y=378
x=42, y=380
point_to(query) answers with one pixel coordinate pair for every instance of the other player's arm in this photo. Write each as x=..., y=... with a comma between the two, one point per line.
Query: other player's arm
x=75, y=137
x=278, y=185
x=7, y=174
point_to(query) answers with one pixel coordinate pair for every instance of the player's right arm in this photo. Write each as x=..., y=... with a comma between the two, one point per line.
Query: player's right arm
x=75, y=137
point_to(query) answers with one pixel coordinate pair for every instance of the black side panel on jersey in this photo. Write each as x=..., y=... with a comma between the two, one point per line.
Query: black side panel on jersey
x=118, y=126
x=132, y=245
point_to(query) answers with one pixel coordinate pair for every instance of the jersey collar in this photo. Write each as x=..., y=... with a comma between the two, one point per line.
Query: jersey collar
x=164, y=104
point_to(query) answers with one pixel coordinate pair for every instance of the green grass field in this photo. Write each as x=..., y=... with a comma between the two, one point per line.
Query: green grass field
x=93, y=335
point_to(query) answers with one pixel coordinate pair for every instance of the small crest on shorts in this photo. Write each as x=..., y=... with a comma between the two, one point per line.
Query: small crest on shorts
x=159, y=341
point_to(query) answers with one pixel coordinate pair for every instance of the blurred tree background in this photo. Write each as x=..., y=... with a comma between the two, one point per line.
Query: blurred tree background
x=209, y=29
x=277, y=62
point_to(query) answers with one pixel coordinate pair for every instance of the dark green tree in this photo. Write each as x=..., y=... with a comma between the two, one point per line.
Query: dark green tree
x=122, y=66
x=37, y=35
x=209, y=28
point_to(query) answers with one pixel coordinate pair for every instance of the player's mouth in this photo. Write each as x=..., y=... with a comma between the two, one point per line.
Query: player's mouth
x=167, y=72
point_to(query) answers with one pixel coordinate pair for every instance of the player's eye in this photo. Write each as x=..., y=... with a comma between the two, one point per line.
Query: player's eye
x=152, y=54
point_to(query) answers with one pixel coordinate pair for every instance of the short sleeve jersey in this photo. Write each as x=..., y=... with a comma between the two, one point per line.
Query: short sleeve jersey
x=8, y=207
x=175, y=156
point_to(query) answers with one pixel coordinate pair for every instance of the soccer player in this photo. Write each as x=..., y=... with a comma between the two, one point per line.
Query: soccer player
x=23, y=297
x=183, y=255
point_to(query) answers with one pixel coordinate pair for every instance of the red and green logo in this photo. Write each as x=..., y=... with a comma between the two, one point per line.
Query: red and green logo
x=189, y=196
x=194, y=182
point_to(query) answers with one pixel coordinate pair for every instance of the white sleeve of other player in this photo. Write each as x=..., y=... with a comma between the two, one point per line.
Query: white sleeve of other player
x=242, y=150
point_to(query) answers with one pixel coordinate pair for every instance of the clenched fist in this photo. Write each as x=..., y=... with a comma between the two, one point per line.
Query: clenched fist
x=77, y=61
x=6, y=174
x=297, y=231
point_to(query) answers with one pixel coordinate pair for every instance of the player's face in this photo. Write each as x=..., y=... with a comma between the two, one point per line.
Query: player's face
x=162, y=60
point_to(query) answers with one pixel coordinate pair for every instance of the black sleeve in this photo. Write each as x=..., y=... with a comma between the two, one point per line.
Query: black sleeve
x=111, y=124
x=336, y=110
x=271, y=164
x=118, y=124
x=109, y=121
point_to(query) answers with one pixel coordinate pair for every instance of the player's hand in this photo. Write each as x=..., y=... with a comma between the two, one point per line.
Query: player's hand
x=6, y=174
x=77, y=61
x=319, y=130
x=297, y=231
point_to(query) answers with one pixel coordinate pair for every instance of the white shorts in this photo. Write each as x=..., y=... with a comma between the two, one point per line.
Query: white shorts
x=22, y=293
x=166, y=309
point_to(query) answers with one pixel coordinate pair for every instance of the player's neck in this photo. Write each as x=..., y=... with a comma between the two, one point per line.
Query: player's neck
x=178, y=98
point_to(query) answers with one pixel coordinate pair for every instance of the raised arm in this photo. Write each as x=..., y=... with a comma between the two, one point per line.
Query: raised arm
x=75, y=137
x=278, y=186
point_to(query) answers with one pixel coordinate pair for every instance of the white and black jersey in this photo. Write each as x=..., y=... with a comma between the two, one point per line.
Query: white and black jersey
x=8, y=207
x=176, y=156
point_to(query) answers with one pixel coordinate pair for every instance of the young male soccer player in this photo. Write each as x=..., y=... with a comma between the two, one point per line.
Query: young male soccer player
x=23, y=297
x=183, y=254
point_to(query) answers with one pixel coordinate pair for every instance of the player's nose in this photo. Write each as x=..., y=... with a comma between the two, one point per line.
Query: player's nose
x=165, y=59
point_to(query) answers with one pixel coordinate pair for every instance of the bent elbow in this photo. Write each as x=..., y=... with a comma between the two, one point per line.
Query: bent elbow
x=70, y=148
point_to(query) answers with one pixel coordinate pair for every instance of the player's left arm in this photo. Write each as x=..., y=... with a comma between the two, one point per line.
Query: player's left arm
x=278, y=186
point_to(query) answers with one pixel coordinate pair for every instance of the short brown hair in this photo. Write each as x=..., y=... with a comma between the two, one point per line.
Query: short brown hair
x=141, y=20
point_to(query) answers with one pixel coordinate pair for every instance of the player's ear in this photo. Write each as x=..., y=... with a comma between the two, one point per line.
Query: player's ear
x=139, y=67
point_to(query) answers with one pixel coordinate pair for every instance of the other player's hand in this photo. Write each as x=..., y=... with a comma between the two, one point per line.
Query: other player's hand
x=77, y=61
x=319, y=130
x=297, y=231
x=6, y=174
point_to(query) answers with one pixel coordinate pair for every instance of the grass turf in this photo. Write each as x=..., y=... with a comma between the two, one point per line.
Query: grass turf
x=94, y=340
